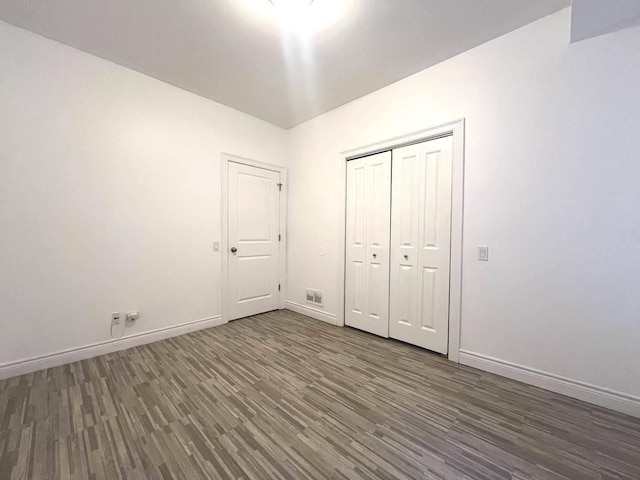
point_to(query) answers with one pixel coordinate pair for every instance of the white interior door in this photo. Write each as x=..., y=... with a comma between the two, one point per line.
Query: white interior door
x=367, y=243
x=421, y=244
x=253, y=231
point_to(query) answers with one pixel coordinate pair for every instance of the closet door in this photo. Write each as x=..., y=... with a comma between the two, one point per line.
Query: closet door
x=367, y=249
x=421, y=244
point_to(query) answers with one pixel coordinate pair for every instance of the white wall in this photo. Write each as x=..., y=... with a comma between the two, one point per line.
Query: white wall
x=552, y=187
x=109, y=196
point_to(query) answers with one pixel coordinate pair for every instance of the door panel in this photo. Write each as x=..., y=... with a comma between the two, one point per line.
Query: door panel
x=367, y=243
x=431, y=203
x=254, y=273
x=378, y=281
x=254, y=226
x=429, y=282
x=404, y=309
x=420, y=244
x=254, y=210
x=358, y=284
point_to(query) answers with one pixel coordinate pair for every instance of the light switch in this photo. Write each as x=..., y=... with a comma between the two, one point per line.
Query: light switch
x=216, y=246
x=483, y=254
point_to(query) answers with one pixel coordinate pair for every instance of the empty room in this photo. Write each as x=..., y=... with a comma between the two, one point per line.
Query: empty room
x=320, y=239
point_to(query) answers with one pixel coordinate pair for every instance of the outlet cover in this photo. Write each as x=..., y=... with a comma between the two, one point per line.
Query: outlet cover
x=117, y=318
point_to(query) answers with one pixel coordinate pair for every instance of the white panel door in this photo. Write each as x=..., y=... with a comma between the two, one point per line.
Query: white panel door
x=367, y=248
x=254, y=249
x=421, y=244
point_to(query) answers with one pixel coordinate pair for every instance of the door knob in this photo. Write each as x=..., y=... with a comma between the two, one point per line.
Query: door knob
x=234, y=249
x=375, y=255
x=406, y=257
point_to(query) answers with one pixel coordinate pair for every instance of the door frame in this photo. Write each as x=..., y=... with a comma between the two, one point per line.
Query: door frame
x=224, y=218
x=457, y=130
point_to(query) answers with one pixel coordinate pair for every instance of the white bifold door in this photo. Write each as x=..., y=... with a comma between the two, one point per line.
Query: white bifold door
x=367, y=243
x=253, y=236
x=398, y=243
x=421, y=244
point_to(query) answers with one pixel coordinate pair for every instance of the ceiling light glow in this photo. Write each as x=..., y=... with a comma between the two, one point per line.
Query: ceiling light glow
x=293, y=14
x=291, y=4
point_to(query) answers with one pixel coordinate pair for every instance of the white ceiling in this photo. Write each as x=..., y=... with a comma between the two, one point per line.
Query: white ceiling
x=241, y=53
x=590, y=18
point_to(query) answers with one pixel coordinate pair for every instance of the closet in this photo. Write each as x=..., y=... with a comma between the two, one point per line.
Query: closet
x=398, y=243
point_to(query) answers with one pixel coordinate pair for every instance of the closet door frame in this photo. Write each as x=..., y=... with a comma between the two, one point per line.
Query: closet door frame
x=456, y=130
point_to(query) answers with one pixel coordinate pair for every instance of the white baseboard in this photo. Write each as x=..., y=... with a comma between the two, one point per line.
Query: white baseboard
x=22, y=367
x=311, y=312
x=620, y=402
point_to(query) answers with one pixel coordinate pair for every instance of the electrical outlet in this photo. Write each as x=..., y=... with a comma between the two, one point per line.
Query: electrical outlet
x=132, y=317
x=117, y=318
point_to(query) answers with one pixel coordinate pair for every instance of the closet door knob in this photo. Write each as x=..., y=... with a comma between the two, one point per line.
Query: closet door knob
x=375, y=255
x=234, y=249
x=406, y=257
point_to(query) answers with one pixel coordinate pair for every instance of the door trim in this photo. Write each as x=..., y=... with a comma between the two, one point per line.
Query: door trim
x=456, y=129
x=224, y=223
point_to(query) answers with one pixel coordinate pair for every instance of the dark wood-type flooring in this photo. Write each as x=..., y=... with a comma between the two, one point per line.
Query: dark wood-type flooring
x=280, y=395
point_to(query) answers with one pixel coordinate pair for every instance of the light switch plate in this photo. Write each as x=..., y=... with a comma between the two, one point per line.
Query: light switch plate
x=216, y=246
x=483, y=254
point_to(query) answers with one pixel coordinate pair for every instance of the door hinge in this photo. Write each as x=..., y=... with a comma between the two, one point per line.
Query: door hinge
x=279, y=237
x=278, y=287
x=280, y=187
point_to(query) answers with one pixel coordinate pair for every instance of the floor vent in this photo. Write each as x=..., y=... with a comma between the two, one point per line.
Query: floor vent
x=315, y=297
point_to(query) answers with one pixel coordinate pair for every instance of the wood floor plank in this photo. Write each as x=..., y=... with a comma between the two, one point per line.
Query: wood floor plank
x=283, y=396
